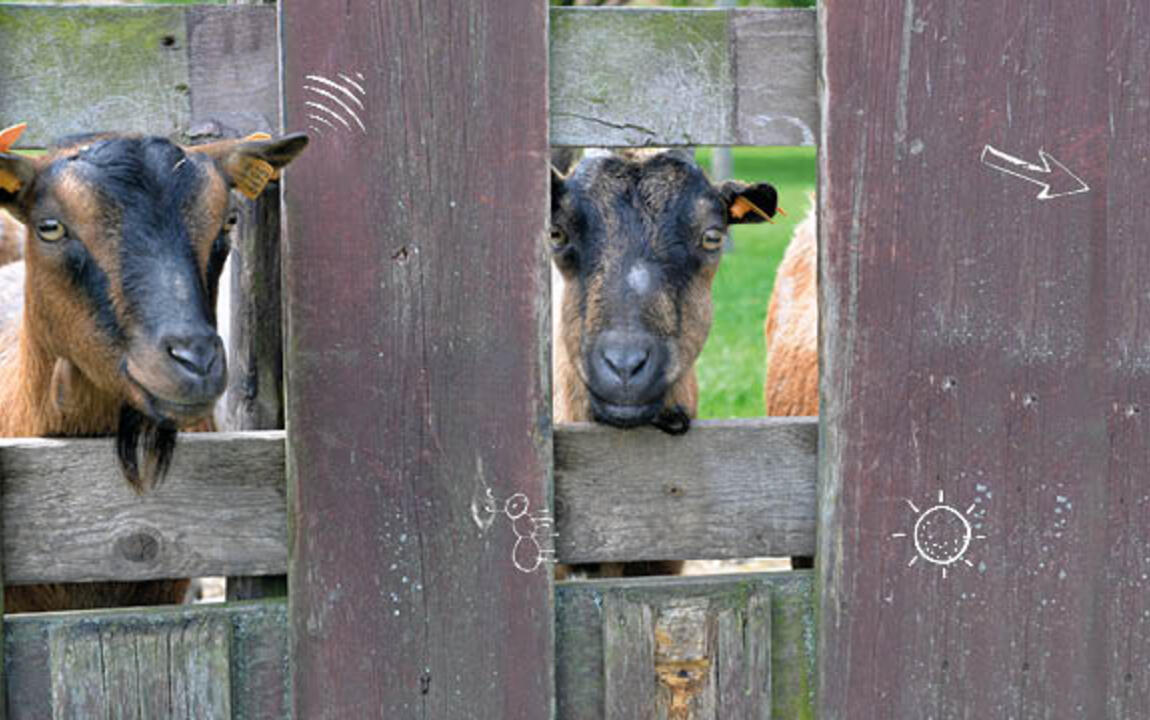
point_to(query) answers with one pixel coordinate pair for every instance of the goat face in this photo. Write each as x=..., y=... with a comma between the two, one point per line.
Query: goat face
x=638, y=239
x=126, y=240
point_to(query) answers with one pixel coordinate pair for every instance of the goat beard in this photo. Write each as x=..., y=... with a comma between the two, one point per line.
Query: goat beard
x=144, y=448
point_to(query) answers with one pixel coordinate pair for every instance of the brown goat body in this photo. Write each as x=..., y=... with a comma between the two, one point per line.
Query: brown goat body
x=791, y=386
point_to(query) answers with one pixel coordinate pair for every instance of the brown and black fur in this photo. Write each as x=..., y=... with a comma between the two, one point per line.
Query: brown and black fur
x=116, y=333
x=634, y=241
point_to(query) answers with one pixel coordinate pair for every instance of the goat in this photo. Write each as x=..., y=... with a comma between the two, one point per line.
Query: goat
x=126, y=236
x=791, y=331
x=636, y=240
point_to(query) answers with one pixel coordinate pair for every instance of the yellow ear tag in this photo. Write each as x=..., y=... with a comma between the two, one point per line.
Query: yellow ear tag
x=260, y=137
x=8, y=136
x=251, y=175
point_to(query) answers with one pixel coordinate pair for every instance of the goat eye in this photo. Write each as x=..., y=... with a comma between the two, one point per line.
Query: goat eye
x=50, y=230
x=713, y=240
x=231, y=221
x=558, y=237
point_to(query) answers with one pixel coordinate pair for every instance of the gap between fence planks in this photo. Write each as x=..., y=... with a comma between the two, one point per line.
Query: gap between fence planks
x=742, y=77
x=725, y=489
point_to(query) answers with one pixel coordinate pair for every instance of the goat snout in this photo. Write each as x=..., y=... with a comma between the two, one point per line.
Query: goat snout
x=627, y=368
x=197, y=354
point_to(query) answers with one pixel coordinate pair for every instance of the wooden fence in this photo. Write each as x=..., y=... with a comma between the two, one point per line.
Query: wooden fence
x=982, y=346
x=738, y=645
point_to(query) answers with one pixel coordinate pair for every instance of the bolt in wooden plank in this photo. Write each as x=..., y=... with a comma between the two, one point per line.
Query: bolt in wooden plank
x=417, y=398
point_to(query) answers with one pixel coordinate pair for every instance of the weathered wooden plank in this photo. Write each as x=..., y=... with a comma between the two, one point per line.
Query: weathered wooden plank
x=986, y=351
x=222, y=509
x=620, y=76
x=172, y=663
x=641, y=494
x=628, y=660
x=729, y=647
x=69, y=516
x=627, y=76
x=415, y=290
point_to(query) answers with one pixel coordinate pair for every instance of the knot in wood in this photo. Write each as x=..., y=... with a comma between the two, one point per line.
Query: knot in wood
x=142, y=546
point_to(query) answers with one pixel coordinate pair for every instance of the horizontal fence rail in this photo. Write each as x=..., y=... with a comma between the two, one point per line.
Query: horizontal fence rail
x=736, y=644
x=68, y=514
x=727, y=77
x=725, y=489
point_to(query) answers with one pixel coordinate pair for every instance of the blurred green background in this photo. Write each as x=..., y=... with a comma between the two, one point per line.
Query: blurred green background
x=732, y=364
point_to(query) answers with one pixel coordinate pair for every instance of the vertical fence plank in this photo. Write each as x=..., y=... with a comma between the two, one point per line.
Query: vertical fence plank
x=415, y=288
x=984, y=531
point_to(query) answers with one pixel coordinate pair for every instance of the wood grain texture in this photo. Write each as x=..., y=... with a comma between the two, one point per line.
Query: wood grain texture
x=172, y=663
x=171, y=670
x=416, y=298
x=69, y=516
x=733, y=647
x=620, y=76
x=990, y=346
x=625, y=76
x=645, y=495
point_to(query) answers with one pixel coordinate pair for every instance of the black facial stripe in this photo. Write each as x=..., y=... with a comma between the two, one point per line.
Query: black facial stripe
x=92, y=282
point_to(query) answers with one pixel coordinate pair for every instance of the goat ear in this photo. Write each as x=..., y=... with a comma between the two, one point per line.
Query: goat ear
x=749, y=203
x=251, y=163
x=16, y=174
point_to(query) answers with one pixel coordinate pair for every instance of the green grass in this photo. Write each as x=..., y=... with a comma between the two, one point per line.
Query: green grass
x=732, y=363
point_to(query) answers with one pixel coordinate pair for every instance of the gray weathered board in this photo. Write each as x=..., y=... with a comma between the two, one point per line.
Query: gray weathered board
x=210, y=662
x=740, y=645
x=70, y=516
x=647, y=495
x=618, y=76
x=737, y=647
x=619, y=495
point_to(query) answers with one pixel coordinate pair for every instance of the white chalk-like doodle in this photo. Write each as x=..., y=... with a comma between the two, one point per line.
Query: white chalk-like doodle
x=941, y=534
x=534, y=532
x=1053, y=177
x=336, y=104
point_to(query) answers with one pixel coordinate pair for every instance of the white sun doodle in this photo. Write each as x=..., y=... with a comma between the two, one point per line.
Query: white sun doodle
x=941, y=534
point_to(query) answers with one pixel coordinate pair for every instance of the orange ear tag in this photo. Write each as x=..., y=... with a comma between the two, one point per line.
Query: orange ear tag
x=8, y=182
x=251, y=175
x=742, y=206
x=8, y=136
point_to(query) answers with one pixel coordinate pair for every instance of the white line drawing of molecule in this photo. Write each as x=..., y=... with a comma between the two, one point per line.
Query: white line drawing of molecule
x=534, y=532
x=941, y=534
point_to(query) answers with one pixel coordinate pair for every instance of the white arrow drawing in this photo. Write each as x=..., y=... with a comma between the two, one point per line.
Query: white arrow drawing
x=1053, y=177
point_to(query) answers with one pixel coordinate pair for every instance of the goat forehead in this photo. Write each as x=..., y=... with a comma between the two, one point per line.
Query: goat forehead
x=139, y=174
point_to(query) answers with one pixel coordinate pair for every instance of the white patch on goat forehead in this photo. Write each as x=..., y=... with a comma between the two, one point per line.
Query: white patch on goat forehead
x=639, y=278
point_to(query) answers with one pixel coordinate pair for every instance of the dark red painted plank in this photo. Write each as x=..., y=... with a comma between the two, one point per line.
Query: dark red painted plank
x=416, y=376
x=989, y=345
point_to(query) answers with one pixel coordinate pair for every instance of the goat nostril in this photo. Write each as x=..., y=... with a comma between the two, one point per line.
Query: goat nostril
x=626, y=363
x=198, y=357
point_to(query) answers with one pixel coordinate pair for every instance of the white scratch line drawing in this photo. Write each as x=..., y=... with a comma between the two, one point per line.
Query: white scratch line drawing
x=942, y=534
x=1053, y=177
x=340, y=100
x=534, y=532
